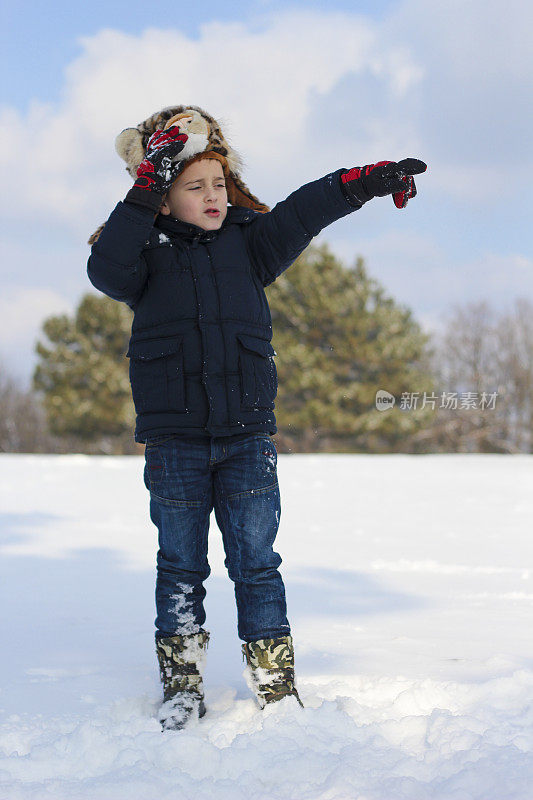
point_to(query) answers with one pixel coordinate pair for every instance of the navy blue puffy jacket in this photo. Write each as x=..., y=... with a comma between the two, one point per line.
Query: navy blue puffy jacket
x=201, y=358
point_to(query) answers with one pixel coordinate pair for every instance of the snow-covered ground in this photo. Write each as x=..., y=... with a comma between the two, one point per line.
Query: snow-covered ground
x=410, y=590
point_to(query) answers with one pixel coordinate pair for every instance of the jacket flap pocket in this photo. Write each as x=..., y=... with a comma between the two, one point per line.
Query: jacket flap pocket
x=154, y=348
x=257, y=345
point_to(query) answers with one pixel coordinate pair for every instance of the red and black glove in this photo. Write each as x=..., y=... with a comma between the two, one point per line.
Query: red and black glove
x=361, y=184
x=157, y=171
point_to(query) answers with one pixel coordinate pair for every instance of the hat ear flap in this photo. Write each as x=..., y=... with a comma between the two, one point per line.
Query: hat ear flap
x=96, y=235
x=129, y=146
x=240, y=195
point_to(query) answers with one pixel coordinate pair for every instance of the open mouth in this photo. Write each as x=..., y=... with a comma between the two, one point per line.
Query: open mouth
x=212, y=212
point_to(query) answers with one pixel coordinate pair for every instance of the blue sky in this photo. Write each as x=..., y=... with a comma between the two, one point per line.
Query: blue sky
x=303, y=89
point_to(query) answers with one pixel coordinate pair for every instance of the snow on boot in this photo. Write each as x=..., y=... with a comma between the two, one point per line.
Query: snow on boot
x=270, y=669
x=180, y=660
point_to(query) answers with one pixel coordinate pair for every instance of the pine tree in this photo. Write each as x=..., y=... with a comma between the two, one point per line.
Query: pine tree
x=83, y=371
x=340, y=339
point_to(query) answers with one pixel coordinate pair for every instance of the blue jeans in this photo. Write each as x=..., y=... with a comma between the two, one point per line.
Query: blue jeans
x=237, y=475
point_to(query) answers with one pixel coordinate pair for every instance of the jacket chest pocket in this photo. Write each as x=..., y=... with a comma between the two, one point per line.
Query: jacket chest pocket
x=156, y=375
x=257, y=370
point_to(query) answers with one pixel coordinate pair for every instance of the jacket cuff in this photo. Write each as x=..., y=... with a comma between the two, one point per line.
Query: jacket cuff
x=142, y=198
x=355, y=199
x=125, y=234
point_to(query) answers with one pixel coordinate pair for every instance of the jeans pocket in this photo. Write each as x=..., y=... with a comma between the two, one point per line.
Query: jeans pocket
x=154, y=467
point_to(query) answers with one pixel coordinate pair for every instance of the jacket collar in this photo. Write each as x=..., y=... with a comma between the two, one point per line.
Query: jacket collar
x=186, y=230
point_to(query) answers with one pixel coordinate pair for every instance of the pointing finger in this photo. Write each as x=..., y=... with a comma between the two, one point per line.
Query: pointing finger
x=412, y=166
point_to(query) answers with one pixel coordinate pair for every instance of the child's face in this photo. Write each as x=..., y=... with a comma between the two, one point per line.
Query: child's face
x=200, y=186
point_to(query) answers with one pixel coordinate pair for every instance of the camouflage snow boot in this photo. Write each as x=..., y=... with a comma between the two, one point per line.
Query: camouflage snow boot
x=270, y=669
x=180, y=659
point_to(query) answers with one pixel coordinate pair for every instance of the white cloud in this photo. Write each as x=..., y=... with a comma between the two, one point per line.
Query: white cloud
x=265, y=85
x=296, y=91
x=450, y=81
x=472, y=106
x=480, y=42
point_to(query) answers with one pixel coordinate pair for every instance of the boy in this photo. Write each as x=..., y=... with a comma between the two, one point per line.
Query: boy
x=203, y=377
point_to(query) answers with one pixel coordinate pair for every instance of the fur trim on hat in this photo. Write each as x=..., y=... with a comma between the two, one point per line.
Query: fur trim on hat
x=204, y=135
x=208, y=154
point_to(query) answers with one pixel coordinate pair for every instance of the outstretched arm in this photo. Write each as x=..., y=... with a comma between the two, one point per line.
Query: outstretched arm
x=275, y=240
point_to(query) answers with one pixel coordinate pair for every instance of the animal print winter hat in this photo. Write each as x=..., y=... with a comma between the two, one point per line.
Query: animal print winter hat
x=205, y=136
